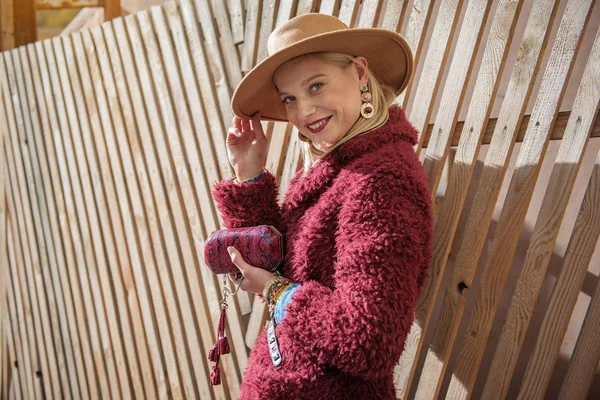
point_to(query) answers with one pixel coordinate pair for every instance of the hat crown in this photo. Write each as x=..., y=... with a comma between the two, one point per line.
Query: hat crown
x=302, y=27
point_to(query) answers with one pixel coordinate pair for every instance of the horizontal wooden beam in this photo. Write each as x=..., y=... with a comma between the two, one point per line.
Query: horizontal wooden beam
x=58, y=4
x=557, y=132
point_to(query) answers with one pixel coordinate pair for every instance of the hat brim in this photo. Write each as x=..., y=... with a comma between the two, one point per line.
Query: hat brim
x=388, y=54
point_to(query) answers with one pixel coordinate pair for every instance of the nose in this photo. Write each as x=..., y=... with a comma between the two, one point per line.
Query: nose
x=306, y=109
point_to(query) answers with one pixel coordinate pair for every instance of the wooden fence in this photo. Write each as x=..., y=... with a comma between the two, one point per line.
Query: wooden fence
x=112, y=138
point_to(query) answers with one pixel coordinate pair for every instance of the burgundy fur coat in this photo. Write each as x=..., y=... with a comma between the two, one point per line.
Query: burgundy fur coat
x=358, y=231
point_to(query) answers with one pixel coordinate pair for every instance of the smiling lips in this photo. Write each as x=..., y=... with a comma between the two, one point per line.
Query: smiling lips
x=318, y=125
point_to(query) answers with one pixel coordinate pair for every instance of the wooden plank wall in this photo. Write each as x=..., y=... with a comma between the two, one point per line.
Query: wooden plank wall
x=112, y=138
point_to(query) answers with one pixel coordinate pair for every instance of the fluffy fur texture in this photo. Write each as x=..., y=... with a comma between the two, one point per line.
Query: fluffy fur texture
x=358, y=231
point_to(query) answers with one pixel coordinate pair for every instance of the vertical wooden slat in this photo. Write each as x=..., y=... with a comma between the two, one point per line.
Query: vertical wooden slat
x=348, y=12
x=236, y=12
x=4, y=368
x=200, y=155
x=562, y=303
x=278, y=144
x=15, y=382
x=15, y=319
x=40, y=222
x=486, y=86
x=582, y=368
x=394, y=13
x=330, y=7
x=138, y=144
x=121, y=132
x=253, y=15
x=43, y=331
x=196, y=202
x=171, y=274
x=101, y=275
x=415, y=33
x=228, y=50
x=433, y=65
x=224, y=74
x=454, y=91
x=495, y=165
x=200, y=197
x=108, y=157
x=369, y=14
x=293, y=160
x=159, y=139
x=437, y=151
x=519, y=195
x=60, y=227
x=80, y=182
x=147, y=339
x=31, y=117
x=267, y=23
x=121, y=282
x=116, y=141
x=205, y=144
x=543, y=238
x=287, y=9
x=80, y=279
x=306, y=6
x=214, y=88
x=7, y=354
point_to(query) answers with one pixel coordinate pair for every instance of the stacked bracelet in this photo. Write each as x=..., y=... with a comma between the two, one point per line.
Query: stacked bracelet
x=273, y=290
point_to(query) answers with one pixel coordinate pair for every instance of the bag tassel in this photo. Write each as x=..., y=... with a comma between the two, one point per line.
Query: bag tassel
x=224, y=345
x=219, y=348
x=215, y=375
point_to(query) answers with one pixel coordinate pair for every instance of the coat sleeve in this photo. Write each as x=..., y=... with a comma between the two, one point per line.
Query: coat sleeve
x=383, y=252
x=249, y=203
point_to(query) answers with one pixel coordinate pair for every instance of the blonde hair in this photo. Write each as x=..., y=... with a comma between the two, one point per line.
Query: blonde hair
x=382, y=97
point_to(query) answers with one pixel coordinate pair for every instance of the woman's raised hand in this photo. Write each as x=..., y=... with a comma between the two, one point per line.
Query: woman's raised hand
x=247, y=147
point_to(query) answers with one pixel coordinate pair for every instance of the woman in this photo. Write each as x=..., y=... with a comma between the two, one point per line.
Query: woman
x=357, y=220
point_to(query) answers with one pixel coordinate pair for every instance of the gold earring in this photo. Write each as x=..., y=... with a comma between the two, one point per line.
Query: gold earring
x=366, y=110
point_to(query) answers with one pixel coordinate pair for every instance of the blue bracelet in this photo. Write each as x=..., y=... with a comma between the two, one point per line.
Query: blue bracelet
x=283, y=301
x=254, y=178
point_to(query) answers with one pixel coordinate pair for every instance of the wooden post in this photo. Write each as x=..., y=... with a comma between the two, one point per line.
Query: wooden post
x=18, y=23
x=112, y=9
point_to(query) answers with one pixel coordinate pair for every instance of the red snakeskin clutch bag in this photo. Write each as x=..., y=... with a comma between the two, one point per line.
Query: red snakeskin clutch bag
x=261, y=246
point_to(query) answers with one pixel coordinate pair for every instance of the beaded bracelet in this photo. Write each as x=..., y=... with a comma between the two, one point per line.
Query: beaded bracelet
x=280, y=291
x=273, y=288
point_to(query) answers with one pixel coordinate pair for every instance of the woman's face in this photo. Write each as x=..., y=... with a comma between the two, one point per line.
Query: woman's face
x=322, y=100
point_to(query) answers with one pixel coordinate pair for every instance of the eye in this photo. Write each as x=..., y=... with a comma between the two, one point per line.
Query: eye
x=287, y=100
x=316, y=86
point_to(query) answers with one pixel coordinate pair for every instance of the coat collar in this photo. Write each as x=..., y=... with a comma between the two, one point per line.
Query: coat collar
x=397, y=128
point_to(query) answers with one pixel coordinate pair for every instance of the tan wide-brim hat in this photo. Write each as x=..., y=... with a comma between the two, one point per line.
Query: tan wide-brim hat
x=388, y=54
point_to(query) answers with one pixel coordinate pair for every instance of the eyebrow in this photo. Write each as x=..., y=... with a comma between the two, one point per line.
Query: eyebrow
x=306, y=81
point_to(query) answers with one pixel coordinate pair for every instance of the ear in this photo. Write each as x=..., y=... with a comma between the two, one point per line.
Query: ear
x=361, y=64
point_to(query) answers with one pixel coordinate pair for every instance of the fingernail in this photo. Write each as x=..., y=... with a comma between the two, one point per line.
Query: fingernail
x=237, y=132
x=230, y=250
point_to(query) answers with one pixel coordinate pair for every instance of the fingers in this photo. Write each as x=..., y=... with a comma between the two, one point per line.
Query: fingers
x=237, y=123
x=256, y=126
x=234, y=131
x=245, y=125
x=237, y=259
